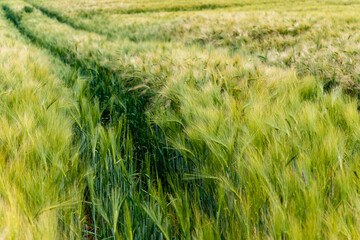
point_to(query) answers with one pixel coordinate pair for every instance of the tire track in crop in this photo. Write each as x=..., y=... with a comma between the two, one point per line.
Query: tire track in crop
x=72, y=23
x=65, y=20
x=123, y=81
x=57, y=15
x=90, y=68
x=147, y=142
x=105, y=83
x=200, y=7
x=234, y=45
x=179, y=8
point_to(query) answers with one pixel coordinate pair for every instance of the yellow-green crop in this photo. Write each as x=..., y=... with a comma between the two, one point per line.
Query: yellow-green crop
x=179, y=119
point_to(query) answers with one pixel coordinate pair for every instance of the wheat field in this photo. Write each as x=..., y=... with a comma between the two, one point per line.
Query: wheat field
x=154, y=119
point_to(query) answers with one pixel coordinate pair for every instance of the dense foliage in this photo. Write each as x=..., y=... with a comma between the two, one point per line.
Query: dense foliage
x=179, y=119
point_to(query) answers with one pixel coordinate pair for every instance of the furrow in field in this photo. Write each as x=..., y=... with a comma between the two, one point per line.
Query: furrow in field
x=183, y=8
x=91, y=55
x=118, y=142
x=63, y=19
